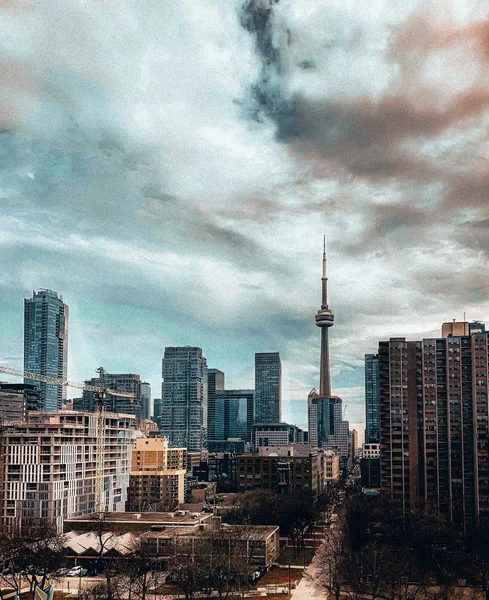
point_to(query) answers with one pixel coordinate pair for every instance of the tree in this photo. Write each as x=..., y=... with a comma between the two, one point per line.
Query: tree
x=330, y=558
x=183, y=570
x=104, y=529
x=293, y=513
x=477, y=548
x=34, y=549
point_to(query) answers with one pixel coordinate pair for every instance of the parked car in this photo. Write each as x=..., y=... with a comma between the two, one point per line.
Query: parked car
x=77, y=572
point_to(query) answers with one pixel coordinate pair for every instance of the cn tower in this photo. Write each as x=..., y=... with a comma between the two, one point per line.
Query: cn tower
x=324, y=319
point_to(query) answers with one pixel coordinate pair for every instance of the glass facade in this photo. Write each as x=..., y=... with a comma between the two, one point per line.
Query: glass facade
x=268, y=387
x=184, y=397
x=145, y=412
x=46, y=345
x=372, y=400
x=215, y=407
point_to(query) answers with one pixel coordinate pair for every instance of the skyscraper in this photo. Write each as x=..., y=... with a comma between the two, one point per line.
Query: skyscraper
x=184, y=397
x=46, y=345
x=122, y=382
x=215, y=410
x=372, y=406
x=145, y=411
x=268, y=387
x=434, y=432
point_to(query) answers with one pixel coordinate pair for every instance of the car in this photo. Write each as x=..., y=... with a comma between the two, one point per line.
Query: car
x=62, y=572
x=77, y=572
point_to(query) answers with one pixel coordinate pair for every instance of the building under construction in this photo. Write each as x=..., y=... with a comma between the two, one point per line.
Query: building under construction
x=48, y=465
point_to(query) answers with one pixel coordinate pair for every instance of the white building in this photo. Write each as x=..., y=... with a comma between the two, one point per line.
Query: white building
x=48, y=464
x=371, y=451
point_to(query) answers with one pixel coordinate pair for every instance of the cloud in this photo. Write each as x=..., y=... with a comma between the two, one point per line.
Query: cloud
x=172, y=169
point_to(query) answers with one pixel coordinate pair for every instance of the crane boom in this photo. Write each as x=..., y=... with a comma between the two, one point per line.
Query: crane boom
x=101, y=393
x=59, y=381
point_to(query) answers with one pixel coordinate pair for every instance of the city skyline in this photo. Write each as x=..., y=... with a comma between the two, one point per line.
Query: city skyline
x=194, y=216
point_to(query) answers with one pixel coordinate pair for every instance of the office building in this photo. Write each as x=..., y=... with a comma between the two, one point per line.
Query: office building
x=184, y=397
x=157, y=412
x=145, y=410
x=121, y=382
x=234, y=410
x=275, y=434
x=48, y=466
x=372, y=403
x=46, y=345
x=268, y=387
x=434, y=434
x=354, y=443
x=371, y=450
x=215, y=413
x=157, y=480
x=318, y=410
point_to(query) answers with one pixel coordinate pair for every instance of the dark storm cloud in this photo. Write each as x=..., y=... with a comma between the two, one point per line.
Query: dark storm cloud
x=366, y=136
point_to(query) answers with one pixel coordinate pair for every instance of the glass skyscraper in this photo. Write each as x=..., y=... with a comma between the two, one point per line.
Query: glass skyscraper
x=46, y=345
x=184, y=397
x=268, y=387
x=122, y=382
x=215, y=408
x=372, y=400
x=145, y=411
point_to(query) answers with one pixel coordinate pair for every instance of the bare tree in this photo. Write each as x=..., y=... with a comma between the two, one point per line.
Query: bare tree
x=35, y=549
x=330, y=558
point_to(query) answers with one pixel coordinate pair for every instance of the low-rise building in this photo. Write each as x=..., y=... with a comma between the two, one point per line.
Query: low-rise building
x=123, y=522
x=282, y=469
x=256, y=545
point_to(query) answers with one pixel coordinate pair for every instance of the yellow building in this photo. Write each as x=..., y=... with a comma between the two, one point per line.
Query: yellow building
x=331, y=466
x=157, y=480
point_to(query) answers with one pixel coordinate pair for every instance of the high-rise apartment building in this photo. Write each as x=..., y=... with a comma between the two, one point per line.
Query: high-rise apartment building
x=122, y=382
x=215, y=413
x=184, y=397
x=268, y=387
x=145, y=411
x=372, y=402
x=157, y=481
x=16, y=400
x=46, y=345
x=434, y=438
x=48, y=466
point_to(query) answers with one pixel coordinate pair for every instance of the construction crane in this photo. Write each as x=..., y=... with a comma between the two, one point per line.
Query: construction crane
x=100, y=392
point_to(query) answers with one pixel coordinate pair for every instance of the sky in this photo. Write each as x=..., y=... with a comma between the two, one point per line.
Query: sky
x=171, y=168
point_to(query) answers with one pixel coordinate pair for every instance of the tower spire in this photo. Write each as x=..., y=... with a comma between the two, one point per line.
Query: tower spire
x=324, y=320
x=324, y=279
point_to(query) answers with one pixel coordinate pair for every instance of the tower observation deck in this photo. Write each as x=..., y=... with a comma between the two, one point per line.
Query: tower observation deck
x=324, y=320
